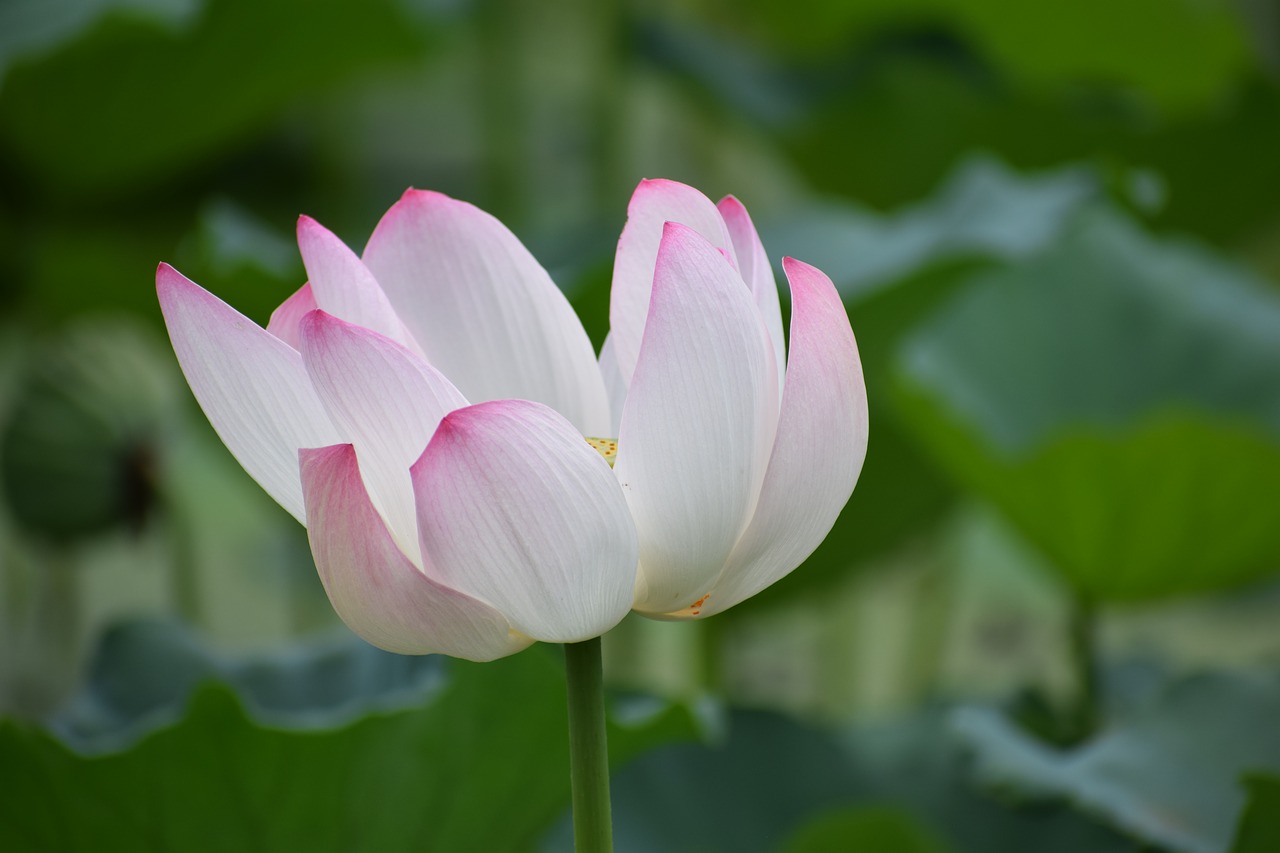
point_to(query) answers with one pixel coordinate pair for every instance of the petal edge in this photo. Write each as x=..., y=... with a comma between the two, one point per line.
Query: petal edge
x=378, y=593
x=810, y=476
x=483, y=309
x=251, y=385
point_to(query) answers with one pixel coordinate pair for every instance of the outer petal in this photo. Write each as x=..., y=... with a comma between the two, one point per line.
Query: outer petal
x=251, y=385
x=483, y=309
x=821, y=443
x=517, y=510
x=753, y=263
x=388, y=401
x=654, y=203
x=343, y=285
x=374, y=587
x=698, y=424
x=286, y=319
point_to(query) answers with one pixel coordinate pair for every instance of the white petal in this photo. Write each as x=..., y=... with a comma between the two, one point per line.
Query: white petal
x=388, y=401
x=756, y=271
x=251, y=385
x=344, y=287
x=483, y=309
x=654, y=203
x=517, y=510
x=698, y=424
x=614, y=384
x=818, y=453
x=373, y=586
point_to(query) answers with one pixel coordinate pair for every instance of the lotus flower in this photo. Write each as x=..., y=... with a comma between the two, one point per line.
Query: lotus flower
x=501, y=525
x=437, y=525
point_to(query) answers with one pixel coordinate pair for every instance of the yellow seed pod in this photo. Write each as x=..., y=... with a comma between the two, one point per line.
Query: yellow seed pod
x=606, y=447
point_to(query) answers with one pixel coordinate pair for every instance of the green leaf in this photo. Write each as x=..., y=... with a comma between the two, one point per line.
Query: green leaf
x=483, y=767
x=1118, y=398
x=143, y=672
x=897, y=122
x=233, y=241
x=878, y=828
x=984, y=210
x=772, y=775
x=31, y=27
x=1259, y=829
x=248, y=260
x=893, y=271
x=1167, y=772
x=136, y=102
x=1179, y=55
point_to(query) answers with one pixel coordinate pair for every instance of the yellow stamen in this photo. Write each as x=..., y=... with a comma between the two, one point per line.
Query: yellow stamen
x=606, y=447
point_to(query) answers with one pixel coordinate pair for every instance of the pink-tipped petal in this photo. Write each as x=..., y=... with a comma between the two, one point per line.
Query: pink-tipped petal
x=698, y=424
x=251, y=385
x=517, y=510
x=483, y=309
x=653, y=204
x=343, y=285
x=388, y=401
x=756, y=271
x=286, y=319
x=820, y=446
x=374, y=587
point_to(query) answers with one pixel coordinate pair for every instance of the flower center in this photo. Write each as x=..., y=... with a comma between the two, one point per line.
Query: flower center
x=606, y=447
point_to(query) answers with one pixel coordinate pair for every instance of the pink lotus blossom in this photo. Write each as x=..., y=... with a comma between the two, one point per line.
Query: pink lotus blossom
x=422, y=410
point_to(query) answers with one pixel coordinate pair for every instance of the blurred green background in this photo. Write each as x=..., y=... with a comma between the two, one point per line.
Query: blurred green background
x=1049, y=618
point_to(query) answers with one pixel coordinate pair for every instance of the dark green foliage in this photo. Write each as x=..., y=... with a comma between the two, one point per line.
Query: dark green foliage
x=1119, y=399
x=883, y=829
x=1259, y=830
x=138, y=102
x=493, y=743
x=1165, y=770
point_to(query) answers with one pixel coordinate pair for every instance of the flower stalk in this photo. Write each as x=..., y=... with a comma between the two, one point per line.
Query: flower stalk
x=588, y=748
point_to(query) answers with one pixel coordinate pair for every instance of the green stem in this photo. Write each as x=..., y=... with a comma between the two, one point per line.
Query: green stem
x=588, y=751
